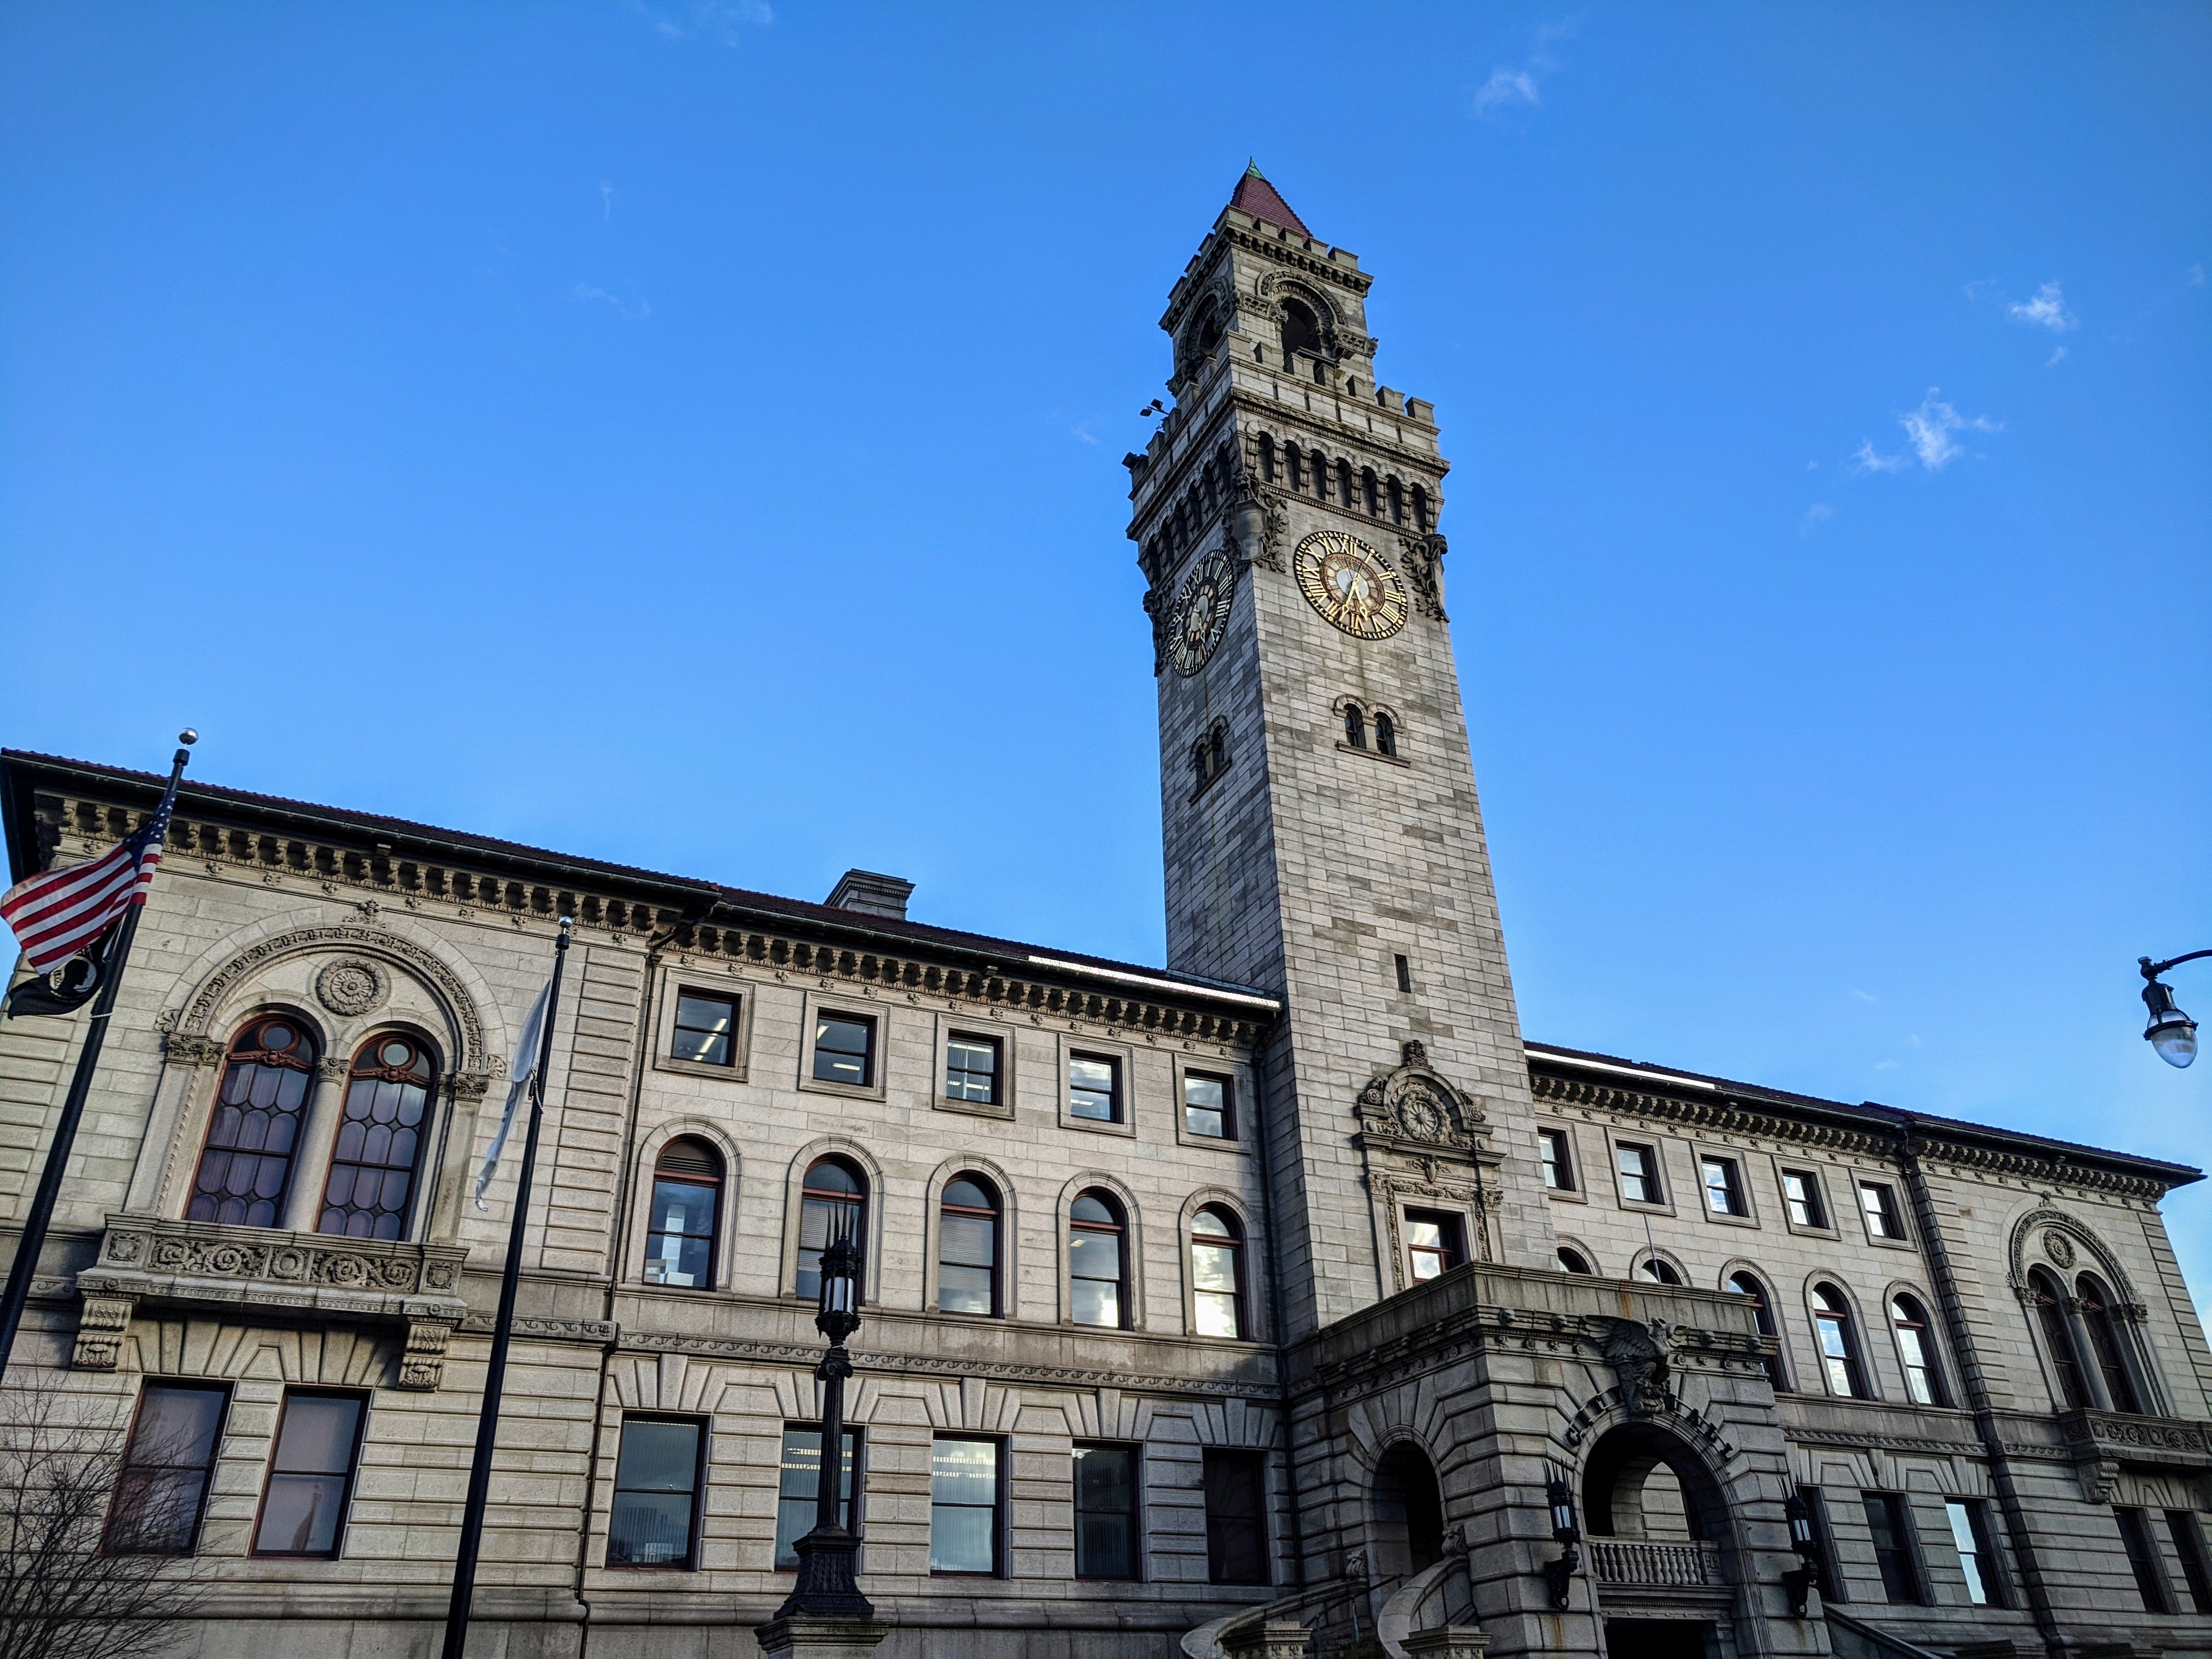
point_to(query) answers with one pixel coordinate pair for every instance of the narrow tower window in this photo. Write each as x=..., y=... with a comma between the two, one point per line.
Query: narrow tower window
x=1386, y=734
x=1301, y=330
x=1355, y=725
x=1405, y=973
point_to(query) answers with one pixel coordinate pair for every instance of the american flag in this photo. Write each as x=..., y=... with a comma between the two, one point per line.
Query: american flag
x=61, y=913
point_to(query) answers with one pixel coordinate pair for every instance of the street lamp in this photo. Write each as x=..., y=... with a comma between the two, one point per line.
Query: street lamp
x=2172, y=1032
x=826, y=1588
x=1564, y=1533
x=1798, y=1582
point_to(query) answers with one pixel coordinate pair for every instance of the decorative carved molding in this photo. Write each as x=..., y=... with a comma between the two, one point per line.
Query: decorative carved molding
x=795, y=1353
x=192, y=1050
x=350, y=987
x=423, y=1362
x=2068, y=1234
x=1425, y=571
x=1641, y=1363
x=1412, y=1108
x=597, y=1332
x=467, y=1087
x=100, y=1322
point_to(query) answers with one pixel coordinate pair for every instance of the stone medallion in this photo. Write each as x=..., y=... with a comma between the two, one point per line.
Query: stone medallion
x=2058, y=1248
x=351, y=987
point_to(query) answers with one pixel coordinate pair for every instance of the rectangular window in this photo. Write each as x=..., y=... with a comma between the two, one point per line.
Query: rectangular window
x=971, y=1069
x=1106, y=1512
x=963, y=1505
x=1639, y=1173
x=706, y=1029
x=1830, y=1578
x=1206, y=1103
x=1880, y=1204
x=1558, y=1166
x=1094, y=1088
x=798, y=1489
x=1723, y=1186
x=1891, y=1528
x=161, y=1489
x=845, y=1049
x=2142, y=1559
x=656, y=1502
x=1977, y=1555
x=1801, y=1189
x=1236, y=1517
x=310, y=1474
x=1405, y=973
x=1436, y=1243
x=2189, y=1545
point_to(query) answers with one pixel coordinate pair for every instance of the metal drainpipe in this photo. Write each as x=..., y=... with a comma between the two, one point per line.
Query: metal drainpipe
x=624, y=1208
x=1977, y=1395
x=1275, y=1312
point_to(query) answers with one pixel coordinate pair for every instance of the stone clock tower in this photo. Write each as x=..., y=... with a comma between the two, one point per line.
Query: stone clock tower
x=1323, y=839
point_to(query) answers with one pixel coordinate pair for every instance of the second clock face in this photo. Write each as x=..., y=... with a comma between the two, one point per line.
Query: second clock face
x=1350, y=584
x=1201, y=615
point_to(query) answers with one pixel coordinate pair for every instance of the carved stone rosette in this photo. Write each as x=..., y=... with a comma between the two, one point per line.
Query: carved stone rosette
x=198, y=1264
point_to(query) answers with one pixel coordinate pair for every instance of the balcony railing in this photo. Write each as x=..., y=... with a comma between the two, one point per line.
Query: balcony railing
x=1667, y=1567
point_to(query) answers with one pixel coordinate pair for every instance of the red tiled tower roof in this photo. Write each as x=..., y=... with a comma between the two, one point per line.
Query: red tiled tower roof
x=1256, y=196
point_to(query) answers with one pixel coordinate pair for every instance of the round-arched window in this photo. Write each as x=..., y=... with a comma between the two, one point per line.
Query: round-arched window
x=1099, y=1263
x=246, y=1162
x=371, y=1187
x=833, y=1199
x=1217, y=1272
x=968, y=1247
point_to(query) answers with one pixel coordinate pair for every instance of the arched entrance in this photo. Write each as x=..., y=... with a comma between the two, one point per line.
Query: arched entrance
x=1409, y=1514
x=1660, y=1543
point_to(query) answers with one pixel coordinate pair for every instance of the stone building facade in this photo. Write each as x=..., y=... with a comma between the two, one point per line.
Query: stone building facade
x=1273, y=1297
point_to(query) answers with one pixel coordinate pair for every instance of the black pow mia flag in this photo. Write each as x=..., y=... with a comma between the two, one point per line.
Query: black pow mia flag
x=65, y=989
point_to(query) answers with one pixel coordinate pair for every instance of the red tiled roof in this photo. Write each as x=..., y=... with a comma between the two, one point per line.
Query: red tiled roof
x=1256, y=196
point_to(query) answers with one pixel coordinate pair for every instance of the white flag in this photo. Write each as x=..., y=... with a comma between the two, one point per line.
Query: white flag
x=520, y=1071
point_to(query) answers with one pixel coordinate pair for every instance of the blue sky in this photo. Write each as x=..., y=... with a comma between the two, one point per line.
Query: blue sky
x=689, y=434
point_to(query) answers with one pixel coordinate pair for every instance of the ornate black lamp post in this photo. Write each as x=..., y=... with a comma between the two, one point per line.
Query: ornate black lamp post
x=2172, y=1032
x=1798, y=1582
x=826, y=1587
x=1559, y=1574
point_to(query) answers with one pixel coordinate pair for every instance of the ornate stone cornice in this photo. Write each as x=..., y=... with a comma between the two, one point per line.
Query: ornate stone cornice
x=1726, y=1114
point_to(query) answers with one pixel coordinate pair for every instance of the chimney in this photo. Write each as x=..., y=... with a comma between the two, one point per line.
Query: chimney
x=871, y=894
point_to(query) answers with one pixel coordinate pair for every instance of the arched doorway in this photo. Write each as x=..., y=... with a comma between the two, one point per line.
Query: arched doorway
x=1660, y=1555
x=1409, y=1514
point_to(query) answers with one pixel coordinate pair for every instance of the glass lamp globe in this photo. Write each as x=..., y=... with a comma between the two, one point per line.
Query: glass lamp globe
x=2174, y=1034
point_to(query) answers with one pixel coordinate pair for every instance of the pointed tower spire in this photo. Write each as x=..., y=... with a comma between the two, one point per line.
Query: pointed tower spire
x=1256, y=196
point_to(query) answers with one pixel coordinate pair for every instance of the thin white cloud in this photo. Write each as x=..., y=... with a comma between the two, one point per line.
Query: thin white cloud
x=586, y=291
x=2047, y=310
x=606, y=202
x=1867, y=459
x=1518, y=86
x=2197, y=276
x=1931, y=429
x=1505, y=87
x=1864, y=996
x=2056, y=357
x=1814, y=515
x=1885, y=1065
x=723, y=22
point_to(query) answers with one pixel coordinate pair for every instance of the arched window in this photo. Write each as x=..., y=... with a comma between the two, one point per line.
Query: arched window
x=833, y=1201
x=2058, y=1337
x=1368, y=498
x=1386, y=734
x=247, y=1161
x=1344, y=481
x=1421, y=510
x=1099, y=1263
x=1839, y=1343
x=1355, y=725
x=1301, y=329
x=1320, y=461
x=687, y=1201
x=968, y=1247
x=1762, y=1315
x=2104, y=1343
x=1217, y=750
x=1571, y=1261
x=1658, y=1270
x=1266, y=458
x=1397, y=501
x=1916, y=1346
x=372, y=1183
x=1294, y=462
x=1217, y=1272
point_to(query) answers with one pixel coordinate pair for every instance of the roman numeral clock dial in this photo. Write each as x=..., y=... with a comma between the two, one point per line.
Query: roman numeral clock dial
x=1201, y=614
x=1350, y=584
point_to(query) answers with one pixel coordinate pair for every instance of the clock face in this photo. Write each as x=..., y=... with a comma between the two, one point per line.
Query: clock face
x=1201, y=614
x=1350, y=584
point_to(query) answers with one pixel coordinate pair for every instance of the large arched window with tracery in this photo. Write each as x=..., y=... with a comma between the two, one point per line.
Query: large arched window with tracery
x=246, y=1163
x=2057, y=1338
x=371, y=1188
x=2105, y=1342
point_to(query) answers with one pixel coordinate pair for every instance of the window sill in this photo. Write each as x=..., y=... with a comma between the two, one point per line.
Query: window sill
x=1895, y=1244
x=1566, y=1194
x=1644, y=1206
x=1813, y=1232
x=818, y=1086
x=732, y=1072
x=1097, y=1126
x=1372, y=754
x=973, y=1108
x=1721, y=1218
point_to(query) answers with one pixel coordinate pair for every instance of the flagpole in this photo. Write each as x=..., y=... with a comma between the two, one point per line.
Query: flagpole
x=472, y=1517
x=34, y=1241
